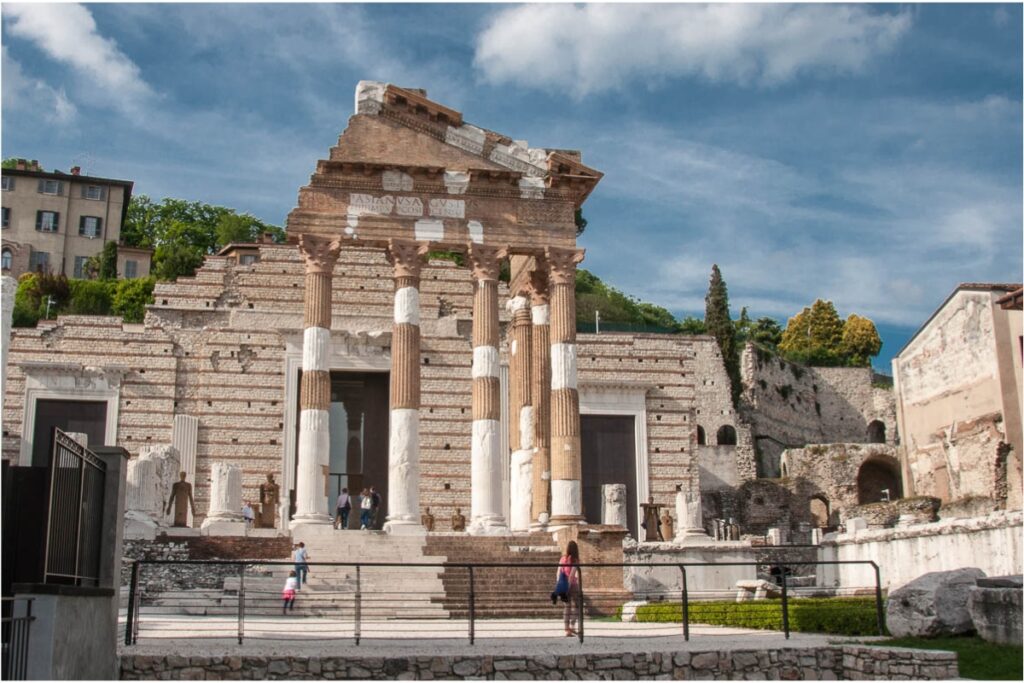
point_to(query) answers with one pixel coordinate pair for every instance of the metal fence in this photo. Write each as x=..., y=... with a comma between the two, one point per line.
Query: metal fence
x=15, y=631
x=75, y=525
x=356, y=601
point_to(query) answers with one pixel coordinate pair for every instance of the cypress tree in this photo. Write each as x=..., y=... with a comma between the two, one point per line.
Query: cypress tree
x=719, y=324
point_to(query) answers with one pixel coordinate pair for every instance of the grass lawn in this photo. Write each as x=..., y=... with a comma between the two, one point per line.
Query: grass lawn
x=977, y=659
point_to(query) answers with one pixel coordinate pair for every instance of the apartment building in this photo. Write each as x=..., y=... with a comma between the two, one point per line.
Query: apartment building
x=53, y=221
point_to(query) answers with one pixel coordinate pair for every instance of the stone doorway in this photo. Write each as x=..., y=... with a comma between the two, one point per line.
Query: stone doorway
x=609, y=457
x=878, y=479
x=88, y=417
x=359, y=439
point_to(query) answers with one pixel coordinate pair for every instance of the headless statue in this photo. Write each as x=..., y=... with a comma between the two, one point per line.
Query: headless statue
x=181, y=499
x=427, y=520
x=458, y=520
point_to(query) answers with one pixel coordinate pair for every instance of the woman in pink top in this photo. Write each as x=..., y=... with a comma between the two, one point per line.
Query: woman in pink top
x=569, y=564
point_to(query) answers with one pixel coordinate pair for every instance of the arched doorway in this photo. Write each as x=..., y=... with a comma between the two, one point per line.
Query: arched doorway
x=702, y=438
x=876, y=431
x=819, y=509
x=726, y=435
x=878, y=479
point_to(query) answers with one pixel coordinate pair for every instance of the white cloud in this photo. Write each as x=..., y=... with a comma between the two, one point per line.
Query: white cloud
x=591, y=48
x=67, y=33
x=29, y=94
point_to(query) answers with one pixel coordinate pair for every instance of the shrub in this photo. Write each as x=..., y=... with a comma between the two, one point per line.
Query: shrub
x=131, y=296
x=845, y=616
x=90, y=297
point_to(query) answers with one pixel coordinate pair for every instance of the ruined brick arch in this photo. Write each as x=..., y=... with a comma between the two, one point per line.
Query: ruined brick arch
x=820, y=511
x=875, y=475
x=726, y=436
x=876, y=431
x=702, y=439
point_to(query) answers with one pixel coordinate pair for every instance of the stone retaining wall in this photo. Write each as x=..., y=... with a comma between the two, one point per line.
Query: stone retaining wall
x=823, y=663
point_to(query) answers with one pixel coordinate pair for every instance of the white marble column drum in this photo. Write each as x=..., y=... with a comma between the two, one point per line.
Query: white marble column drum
x=690, y=518
x=406, y=257
x=485, y=468
x=540, y=394
x=520, y=414
x=225, y=514
x=311, y=506
x=566, y=474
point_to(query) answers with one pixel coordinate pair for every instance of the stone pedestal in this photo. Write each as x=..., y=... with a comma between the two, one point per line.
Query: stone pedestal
x=690, y=520
x=225, y=516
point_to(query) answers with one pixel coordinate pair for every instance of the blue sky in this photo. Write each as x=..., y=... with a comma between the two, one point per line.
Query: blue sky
x=866, y=154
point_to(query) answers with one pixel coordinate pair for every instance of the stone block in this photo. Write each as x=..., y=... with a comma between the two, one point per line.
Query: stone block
x=704, y=660
x=995, y=608
x=933, y=604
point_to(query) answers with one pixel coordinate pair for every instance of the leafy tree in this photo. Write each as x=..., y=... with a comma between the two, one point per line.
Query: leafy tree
x=9, y=163
x=89, y=297
x=108, y=261
x=131, y=296
x=33, y=293
x=581, y=222
x=719, y=325
x=860, y=341
x=691, y=325
x=176, y=259
x=766, y=332
x=742, y=327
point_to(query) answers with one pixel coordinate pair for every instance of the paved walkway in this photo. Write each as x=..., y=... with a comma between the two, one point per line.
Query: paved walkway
x=316, y=636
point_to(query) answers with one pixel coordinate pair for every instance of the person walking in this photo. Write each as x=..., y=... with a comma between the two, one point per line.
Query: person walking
x=569, y=565
x=343, y=507
x=375, y=505
x=248, y=515
x=365, y=508
x=301, y=565
x=288, y=594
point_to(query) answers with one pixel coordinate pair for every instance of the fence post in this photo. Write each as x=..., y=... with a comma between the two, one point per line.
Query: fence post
x=359, y=604
x=472, y=607
x=785, y=602
x=241, y=602
x=686, y=605
x=879, y=614
x=579, y=599
x=129, y=626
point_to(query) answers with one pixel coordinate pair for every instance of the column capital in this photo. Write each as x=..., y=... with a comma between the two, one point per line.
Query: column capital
x=406, y=256
x=517, y=303
x=537, y=286
x=485, y=260
x=320, y=252
x=562, y=264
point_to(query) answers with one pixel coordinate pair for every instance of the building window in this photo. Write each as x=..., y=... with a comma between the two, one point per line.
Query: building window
x=51, y=187
x=80, y=266
x=7, y=217
x=247, y=259
x=8, y=182
x=131, y=268
x=94, y=192
x=47, y=221
x=5, y=259
x=39, y=261
x=90, y=226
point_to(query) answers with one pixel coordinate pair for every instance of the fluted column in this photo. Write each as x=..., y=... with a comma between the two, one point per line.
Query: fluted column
x=540, y=393
x=404, y=445
x=320, y=253
x=566, y=474
x=486, y=474
x=520, y=414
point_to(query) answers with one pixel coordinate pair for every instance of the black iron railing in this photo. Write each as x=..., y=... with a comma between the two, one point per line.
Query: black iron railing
x=75, y=524
x=16, y=630
x=360, y=600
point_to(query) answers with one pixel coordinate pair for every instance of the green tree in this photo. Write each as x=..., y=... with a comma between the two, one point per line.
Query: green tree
x=692, y=325
x=766, y=332
x=719, y=325
x=131, y=297
x=743, y=327
x=108, y=261
x=814, y=336
x=11, y=162
x=176, y=259
x=860, y=341
x=89, y=297
x=581, y=222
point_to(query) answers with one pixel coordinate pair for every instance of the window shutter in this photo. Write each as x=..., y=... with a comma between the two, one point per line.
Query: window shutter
x=60, y=187
x=99, y=227
x=56, y=221
x=103, y=193
x=39, y=219
x=42, y=186
x=81, y=225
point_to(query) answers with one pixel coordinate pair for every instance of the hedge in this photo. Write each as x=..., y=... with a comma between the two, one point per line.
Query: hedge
x=844, y=616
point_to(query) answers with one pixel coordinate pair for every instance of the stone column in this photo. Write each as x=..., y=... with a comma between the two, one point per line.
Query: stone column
x=540, y=393
x=520, y=415
x=185, y=438
x=566, y=477
x=225, y=515
x=320, y=253
x=486, y=514
x=404, y=446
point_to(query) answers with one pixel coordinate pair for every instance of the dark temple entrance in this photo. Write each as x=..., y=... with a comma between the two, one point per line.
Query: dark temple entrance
x=609, y=457
x=89, y=417
x=359, y=438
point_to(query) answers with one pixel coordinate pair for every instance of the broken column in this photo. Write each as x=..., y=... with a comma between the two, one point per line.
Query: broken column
x=225, y=515
x=149, y=481
x=566, y=473
x=486, y=475
x=613, y=509
x=540, y=394
x=320, y=254
x=520, y=415
x=403, y=448
x=690, y=518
